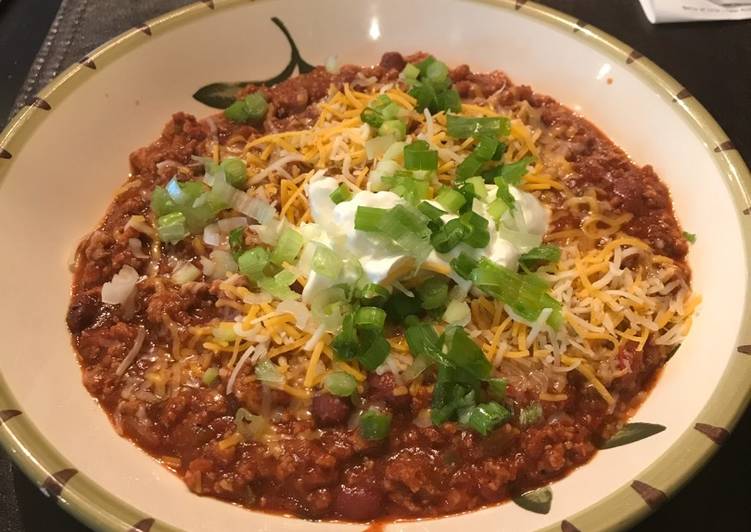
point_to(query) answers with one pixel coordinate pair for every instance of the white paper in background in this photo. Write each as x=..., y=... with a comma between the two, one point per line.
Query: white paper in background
x=659, y=11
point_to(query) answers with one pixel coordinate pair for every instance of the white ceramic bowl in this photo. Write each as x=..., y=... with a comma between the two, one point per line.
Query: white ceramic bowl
x=63, y=157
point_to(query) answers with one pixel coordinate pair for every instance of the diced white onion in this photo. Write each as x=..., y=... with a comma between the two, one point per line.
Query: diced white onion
x=394, y=150
x=136, y=247
x=208, y=266
x=121, y=287
x=228, y=224
x=253, y=207
x=130, y=357
x=377, y=146
x=268, y=233
x=224, y=263
x=212, y=235
x=186, y=273
x=138, y=223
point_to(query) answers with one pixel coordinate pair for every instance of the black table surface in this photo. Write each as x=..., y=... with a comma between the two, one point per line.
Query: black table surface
x=712, y=60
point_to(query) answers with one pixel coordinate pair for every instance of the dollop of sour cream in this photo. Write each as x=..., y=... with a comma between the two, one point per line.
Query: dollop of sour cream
x=382, y=262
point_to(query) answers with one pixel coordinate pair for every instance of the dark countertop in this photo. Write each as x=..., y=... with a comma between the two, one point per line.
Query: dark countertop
x=712, y=60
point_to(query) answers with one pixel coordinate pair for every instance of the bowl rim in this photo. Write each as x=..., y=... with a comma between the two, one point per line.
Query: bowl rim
x=98, y=508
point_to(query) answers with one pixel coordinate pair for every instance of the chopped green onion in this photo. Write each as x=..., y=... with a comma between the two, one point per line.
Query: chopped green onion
x=277, y=286
x=423, y=341
x=185, y=193
x=235, y=171
x=407, y=184
x=419, y=156
x=236, y=239
x=371, y=117
x=487, y=416
x=371, y=318
x=340, y=383
x=425, y=95
x=478, y=235
x=161, y=202
x=267, y=371
x=326, y=262
x=547, y=253
x=431, y=211
x=329, y=305
x=380, y=103
x=252, y=262
x=463, y=265
x=504, y=194
x=462, y=127
x=237, y=112
x=287, y=247
x=468, y=191
x=451, y=199
x=449, y=235
x=497, y=388
x=448, y=100
x=451, y=399
x=340, y=194
x=436, y=71
x=346, y=344
x=375, y=425
x=513, y=172
x=690, y=237
x=400, y=305
x=478, y=186
x=486, y=148
x=391, y=112
x=530, y=414
x=393, y=128
x=374, y=349
x=256, y=106
x=369, y=219
x=410, y=73
x=526, y=294
x=433, y=293
x=497, y=208
x=469, y=167
x=374, y=295
x=457, y=313
x=209, y=376
x=463, y=353
x=171, y=227
x=425, y=64
x=285, y=278
x=405, y=225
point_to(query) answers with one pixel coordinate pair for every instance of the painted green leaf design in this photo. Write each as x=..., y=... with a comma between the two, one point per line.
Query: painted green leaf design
x=221, y=94
x=632, y=432
x=537, y=501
